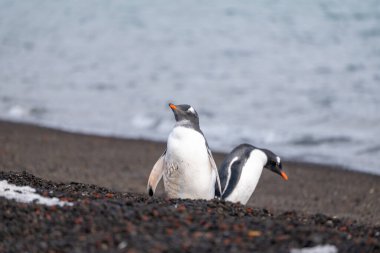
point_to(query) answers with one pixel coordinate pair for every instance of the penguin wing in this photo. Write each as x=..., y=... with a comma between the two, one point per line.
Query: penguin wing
x=235, y=168
x=231, y=169
x=156, y=175
x=224, y=177
x=213, y=166
x=225, y=171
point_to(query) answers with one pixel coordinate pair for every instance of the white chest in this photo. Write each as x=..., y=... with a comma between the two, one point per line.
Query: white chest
x=249, y=177
x=185, y=144
x=188, y=172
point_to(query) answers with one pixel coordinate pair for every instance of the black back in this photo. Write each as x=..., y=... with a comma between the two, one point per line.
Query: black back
x=242, y=153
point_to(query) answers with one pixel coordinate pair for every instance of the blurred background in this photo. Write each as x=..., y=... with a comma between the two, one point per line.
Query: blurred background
x=301, y=78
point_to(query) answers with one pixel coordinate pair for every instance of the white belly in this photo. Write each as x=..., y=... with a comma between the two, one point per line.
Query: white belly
x=188, y=173
x=249, y=178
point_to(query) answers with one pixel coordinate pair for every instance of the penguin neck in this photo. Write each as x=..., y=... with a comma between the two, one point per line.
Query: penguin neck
x=188, y=124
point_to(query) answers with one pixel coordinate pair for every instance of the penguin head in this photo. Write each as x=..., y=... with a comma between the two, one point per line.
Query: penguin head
x=274, y=164
x=185, y=113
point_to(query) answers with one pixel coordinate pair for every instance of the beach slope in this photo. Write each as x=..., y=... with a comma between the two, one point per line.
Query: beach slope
x=123, y=165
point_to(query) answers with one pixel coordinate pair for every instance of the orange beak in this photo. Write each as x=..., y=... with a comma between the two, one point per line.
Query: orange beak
x=284, y=176
x=173, y=106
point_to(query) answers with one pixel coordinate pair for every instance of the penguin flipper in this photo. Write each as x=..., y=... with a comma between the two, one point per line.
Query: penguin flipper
x=231, y=169
x=213, y=166
x=236, y=167
x=156, y=175
x=223, y=177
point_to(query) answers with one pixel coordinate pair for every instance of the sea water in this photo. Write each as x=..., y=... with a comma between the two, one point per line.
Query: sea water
x=301, y=78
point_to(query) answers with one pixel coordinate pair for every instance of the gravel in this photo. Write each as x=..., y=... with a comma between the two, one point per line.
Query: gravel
x=109, y=221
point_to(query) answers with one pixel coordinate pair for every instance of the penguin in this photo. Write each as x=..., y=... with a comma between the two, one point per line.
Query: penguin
x=241, y=169
x=187, y=165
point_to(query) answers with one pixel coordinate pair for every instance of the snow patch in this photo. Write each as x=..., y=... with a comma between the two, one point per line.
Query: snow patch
x=27, y=194
x=317, y=249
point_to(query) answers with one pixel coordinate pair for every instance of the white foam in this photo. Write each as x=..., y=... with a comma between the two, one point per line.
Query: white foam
x=317, y=249
x=18, y=111
x=26, y=194
x=143, y=121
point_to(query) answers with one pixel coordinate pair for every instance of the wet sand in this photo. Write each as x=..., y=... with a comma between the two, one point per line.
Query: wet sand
x=123, y=165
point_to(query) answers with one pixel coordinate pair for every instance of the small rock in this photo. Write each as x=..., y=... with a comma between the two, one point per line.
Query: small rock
x=122, y=245
x=254, y=233
x=330, y=223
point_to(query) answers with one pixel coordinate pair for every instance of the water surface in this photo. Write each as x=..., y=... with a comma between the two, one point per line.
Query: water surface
x=301, y=78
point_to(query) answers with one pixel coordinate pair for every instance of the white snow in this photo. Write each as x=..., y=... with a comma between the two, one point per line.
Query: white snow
x=27, y=194
x=317, y=249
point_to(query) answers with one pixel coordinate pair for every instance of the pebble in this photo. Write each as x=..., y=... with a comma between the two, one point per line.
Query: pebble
x=122, y=245
x=254, y=233
x=103, y=220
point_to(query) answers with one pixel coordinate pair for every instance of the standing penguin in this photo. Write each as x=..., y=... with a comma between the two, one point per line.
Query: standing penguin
x=241, y=169
x=187, y=164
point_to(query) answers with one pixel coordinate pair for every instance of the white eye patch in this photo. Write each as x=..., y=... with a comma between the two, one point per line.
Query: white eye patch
x=278, y=159
x=191, y=109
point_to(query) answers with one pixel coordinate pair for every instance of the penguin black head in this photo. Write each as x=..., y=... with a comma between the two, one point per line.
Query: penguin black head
x=185, y=113
x=274, y=163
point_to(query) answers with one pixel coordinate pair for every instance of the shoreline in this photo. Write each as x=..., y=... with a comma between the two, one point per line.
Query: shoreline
x=218, y=153
x=124, y=165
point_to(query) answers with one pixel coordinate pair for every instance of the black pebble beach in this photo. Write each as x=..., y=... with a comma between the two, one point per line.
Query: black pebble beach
x=103, y=220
